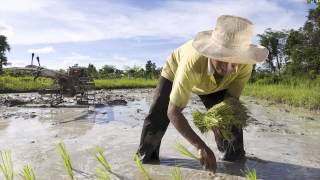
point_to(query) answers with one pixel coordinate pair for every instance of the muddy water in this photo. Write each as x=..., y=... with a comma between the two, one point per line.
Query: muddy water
x=281, y=142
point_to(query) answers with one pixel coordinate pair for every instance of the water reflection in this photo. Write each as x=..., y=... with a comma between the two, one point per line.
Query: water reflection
x=133, y=111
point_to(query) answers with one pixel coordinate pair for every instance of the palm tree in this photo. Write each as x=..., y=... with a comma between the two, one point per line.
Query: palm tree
x=4, y=46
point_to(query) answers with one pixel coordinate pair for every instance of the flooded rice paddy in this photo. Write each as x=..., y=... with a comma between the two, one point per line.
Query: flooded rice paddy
x=281, y=142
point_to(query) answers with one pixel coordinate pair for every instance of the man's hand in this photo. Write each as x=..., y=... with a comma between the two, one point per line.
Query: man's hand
x=207, y=159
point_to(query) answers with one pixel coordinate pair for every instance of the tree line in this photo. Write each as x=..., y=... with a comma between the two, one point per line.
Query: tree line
x=150, y=71
x=292, y=53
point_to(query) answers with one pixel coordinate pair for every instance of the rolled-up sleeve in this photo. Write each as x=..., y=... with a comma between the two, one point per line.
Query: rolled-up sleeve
x=182, y=85
x=169, y=67
x=236, y=87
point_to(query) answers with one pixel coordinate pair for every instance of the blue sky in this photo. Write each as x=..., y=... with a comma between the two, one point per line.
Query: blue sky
x=125, y=32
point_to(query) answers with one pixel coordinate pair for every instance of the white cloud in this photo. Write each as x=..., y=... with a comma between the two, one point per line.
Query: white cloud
x=6, y=30
x=63, y=22
x=44, y=50
x=300, y=1
x=17, y=63
x=19, y=6
x=119, y=62
x=3, y=27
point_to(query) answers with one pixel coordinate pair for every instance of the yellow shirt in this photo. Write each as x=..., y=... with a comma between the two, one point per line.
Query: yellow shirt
x=190, y=72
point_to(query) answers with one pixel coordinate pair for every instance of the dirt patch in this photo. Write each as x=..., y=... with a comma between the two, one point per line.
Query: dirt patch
x=109, y=97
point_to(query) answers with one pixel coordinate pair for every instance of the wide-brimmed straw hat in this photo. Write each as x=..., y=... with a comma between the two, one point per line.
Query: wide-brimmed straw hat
x=230, y=41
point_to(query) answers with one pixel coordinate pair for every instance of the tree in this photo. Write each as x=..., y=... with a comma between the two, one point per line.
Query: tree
x=275, y=42
x=303, y=47
x=4, y=47
x=150, y=69
x=63, y=71
x=92, y=71
x=135, y=71
x=317, y=2
x=107, y=70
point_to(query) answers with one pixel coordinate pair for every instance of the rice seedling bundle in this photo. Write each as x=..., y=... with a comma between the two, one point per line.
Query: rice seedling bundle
x=228, y=113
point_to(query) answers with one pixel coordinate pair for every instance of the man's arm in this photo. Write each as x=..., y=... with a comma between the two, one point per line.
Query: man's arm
x=207, y=158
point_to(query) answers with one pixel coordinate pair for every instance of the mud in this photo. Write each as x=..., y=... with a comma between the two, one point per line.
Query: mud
x=102, y=97
x=281, y=142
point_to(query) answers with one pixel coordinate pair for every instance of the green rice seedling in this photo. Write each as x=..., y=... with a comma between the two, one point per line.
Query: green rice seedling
x=102, y=174
x=184, y=151
x=251, y=174
x=6, y=166
x=140, y=166
x=98, y=154
x=228, y=113
x=176, y=174
x=66, y=159
x=27, y=173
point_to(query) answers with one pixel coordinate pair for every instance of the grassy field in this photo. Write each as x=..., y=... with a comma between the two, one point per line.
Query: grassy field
x=125, y=83
x=23, y=84
x=298, y=95
x=27, y=84
x=296, y=92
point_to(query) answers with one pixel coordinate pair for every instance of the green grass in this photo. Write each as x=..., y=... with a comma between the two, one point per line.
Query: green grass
x=66, y=159
x=6, y=166
x=27, y=84
x=27, y=173
x=301, y=95
x=125, y=83
x=295, y=92
x=23, y=84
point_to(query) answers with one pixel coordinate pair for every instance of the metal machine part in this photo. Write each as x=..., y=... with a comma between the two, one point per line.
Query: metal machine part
x=75, y=83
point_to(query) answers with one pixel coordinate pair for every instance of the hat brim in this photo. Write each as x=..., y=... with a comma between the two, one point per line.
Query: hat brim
x=249, y=54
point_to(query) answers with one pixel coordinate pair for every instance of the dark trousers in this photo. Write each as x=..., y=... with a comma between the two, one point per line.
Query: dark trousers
x=157, y=121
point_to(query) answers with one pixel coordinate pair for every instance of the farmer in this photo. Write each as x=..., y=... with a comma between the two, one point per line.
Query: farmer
x=214, y=65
